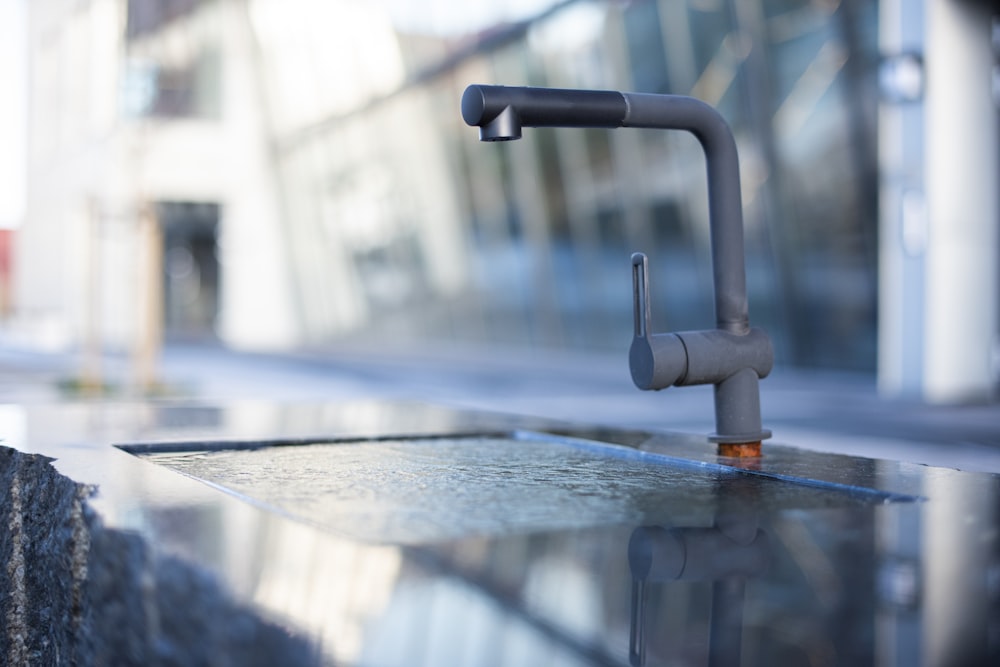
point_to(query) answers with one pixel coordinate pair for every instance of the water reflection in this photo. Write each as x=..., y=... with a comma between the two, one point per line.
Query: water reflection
x=726, y=554
x=717, y=594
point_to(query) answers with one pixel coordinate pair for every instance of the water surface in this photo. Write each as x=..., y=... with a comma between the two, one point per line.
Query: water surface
x=432, y=489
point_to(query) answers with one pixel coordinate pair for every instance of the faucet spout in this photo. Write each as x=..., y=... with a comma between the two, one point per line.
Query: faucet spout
x=733, y=357
x=501, y=111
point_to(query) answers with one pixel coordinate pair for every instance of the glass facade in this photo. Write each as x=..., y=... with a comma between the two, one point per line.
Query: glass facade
x=400, y=223
x=353, y=202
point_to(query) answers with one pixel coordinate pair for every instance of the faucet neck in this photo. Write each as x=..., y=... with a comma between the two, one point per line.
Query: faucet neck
x=676, y=112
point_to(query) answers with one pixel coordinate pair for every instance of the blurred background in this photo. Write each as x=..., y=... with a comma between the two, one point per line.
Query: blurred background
x=287, y=175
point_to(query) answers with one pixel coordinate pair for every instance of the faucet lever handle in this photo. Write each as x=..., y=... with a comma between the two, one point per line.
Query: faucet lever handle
x=640, y=295
x=656, y=361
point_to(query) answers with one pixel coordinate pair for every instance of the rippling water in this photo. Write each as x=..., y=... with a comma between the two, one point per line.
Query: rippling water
x=426, y=490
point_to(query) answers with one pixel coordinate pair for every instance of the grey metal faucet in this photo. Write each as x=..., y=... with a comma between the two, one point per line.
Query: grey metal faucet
x=734, y=356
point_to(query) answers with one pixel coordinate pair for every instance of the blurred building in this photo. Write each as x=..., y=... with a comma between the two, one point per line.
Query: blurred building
x=148, y=151
x=292, y=173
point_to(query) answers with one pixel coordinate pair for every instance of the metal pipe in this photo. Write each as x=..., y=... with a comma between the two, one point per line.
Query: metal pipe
x=725, y=202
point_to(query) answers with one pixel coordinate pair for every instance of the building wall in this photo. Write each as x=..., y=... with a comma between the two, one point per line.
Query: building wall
x=102, y=151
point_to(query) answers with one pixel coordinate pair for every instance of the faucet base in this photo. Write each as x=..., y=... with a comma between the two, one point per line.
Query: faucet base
x=740, y=438
x=740, y=450
x=742, y=445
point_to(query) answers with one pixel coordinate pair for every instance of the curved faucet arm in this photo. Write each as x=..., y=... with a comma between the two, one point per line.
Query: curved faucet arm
x=677, y=112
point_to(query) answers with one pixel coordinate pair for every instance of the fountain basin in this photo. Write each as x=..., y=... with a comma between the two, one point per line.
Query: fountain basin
x=428, y=489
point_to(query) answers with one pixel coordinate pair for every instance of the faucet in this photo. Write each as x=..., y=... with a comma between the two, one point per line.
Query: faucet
x=733, y=356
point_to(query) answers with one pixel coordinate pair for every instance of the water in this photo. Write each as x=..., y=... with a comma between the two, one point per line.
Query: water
x=414, y=491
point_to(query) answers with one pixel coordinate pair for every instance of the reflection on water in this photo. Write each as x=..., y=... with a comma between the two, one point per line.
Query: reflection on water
x=419, y=491
x=725, y=554
x=567, y=598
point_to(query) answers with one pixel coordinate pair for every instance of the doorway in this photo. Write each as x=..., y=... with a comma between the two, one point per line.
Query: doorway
x=190, y=269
